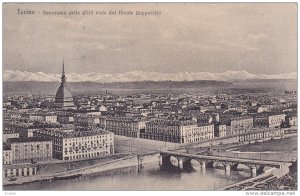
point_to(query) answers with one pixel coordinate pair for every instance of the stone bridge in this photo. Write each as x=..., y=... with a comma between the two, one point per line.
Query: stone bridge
x=184, y=159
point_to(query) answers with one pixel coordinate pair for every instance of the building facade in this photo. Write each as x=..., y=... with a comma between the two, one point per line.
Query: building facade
x=25, y=150
x=7, y=157
x=65, y=118
x=276, y=120
x=19, y=170
x=166, y=130
x=261, y=135
x=126, y=126
x=197, y=133
x=220, y=130
x=261, y=120
x=241, y=125
x=177, y=131
x=43, y=117
x=7, y=134
x=86, y=120
x=292, y=121
x=80, y=144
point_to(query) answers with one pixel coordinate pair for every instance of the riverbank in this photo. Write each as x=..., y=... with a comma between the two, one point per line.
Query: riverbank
x=85, y=167
x=281, y=145
x=250, y=183
x=230, y=144
x=272, y=179
x=149, y=177
x=280, y=150
x=273, y=150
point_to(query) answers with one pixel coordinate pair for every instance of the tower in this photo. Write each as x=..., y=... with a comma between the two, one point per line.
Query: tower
x=63, y=97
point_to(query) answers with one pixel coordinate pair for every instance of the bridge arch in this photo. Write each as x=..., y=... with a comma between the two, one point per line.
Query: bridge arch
x=174, y=161
x=218, y=164
x=195, y=164
x=242, y=166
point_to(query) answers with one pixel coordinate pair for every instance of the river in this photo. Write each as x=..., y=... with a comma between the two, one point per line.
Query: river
x=150, y=177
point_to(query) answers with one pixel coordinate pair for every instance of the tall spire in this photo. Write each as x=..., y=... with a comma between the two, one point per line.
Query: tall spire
x=63, y=77
x=63, y=68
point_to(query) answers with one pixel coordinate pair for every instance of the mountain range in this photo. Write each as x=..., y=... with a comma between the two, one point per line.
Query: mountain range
x=135, y=76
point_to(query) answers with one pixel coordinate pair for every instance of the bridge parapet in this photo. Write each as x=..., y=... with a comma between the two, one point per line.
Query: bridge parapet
x=228, y=162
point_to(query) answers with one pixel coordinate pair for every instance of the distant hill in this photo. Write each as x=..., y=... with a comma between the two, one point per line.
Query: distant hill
x=51, y=87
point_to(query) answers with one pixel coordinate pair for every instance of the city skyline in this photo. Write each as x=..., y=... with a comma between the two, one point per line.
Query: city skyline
x=258, y=38
x=150, y=97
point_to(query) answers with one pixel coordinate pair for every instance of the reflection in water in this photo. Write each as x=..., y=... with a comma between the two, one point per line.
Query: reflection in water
x=148, y=177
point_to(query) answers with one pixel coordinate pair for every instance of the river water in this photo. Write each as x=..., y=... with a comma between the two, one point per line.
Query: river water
x=150, y=177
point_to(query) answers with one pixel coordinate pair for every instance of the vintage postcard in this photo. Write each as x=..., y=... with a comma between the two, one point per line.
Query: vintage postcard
x=149, y=96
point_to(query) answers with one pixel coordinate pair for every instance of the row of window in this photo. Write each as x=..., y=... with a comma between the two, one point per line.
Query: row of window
x=31, y=146
x=198, y=139
x=86, y=150
x=89, y=155
x=18, y=156
x=24, y=172
x=88, y=138
x=260, y=135
x=88, y=142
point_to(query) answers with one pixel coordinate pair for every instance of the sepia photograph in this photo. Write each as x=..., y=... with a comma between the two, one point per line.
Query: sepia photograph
x=149, y=97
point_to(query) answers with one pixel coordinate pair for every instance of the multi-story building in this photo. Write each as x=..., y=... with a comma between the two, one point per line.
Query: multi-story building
x=130, y=127
x=197, y=133
x=30, y=149
x=102, y=122
x=86, y=120
x=220, y=130
x=65, y=118
x=43, y=117
x=292, y=120
x=276, y=120
x=261, y=135
x=268, y=119
x=241, y=125
x=79, y=144
x=27, y=129
x=7, y=155
x=177, y=131
x=261, y=120
x=167, y=130
x=8, y=133
x=204, y=118
x=19, y=170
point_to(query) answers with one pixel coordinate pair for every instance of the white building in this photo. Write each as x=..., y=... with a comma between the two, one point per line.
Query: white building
x=276, y=120
x=80, y=144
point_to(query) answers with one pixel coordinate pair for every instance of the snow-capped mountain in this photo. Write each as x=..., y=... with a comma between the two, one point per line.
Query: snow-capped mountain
x=13, y=75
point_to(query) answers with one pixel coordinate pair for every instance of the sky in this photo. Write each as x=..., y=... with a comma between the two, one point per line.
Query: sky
x=260, y=38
